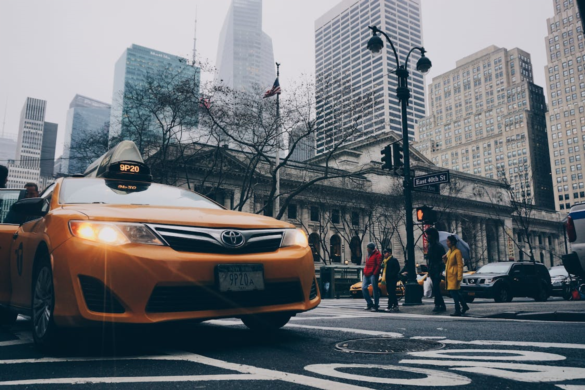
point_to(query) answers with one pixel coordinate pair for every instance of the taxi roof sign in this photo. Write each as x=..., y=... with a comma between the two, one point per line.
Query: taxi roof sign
x=123, y=161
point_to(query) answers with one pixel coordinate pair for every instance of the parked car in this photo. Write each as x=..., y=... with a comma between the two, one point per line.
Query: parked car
x=505, y=280
x=562, y=282
x=356, y=290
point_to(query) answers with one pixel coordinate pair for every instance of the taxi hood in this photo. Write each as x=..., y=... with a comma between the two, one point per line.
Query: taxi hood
x=201, y=217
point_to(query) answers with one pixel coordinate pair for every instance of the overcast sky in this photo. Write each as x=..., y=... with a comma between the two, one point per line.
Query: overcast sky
x=54, y=49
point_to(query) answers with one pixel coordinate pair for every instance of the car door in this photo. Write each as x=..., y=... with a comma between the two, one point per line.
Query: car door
x=516, y=279
x=8, y=228
x=530, y=280
x=24, y=248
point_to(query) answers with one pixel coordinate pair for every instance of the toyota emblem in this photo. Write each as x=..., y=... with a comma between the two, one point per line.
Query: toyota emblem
x=233, y=238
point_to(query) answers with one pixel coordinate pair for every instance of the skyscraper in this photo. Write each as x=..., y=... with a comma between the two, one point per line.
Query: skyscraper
x=565, y=73
x=134, y=66
x=48, y=149
x=356, y=92
x=488, y=118
x=245, y=59
x=27, y=164
x=86, y=119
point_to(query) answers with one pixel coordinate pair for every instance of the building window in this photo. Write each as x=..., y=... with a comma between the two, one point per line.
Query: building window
x=335, y=216
x=292, y=211
x=355, y=218
x=314, y=213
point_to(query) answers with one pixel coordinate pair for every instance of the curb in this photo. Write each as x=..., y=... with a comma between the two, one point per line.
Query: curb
x=568, y=316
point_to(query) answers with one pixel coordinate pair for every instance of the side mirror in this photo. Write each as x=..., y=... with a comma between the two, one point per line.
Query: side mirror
x=31, y=207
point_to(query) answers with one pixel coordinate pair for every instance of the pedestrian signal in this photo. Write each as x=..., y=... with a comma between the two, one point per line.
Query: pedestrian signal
x=426, y=214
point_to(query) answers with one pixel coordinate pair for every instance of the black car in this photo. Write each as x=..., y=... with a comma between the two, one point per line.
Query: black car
x=506, y=280
x=562, y=282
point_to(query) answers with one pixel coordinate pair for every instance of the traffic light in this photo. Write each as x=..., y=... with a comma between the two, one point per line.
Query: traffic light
x=397, y=154
x=387, y=157
x=426, y=214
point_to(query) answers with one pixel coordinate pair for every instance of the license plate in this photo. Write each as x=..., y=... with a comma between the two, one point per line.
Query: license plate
x=245, y=277
x=471, y=294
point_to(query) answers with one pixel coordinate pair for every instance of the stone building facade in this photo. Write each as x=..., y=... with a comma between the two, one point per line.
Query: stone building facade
x=342, y=214
x=488, y=118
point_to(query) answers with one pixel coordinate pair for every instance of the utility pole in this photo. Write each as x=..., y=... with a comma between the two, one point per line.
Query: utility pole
x=277, y=163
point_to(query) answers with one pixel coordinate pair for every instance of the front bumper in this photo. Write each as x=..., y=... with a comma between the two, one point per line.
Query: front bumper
x=479, y=291
x=151, y=284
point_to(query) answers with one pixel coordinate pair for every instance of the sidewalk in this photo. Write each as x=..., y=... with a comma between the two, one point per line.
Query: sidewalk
x=555, y=309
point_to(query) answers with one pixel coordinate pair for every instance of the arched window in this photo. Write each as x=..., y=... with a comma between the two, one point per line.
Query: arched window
x=335, y=249
x=315, y=244
x=355, y=245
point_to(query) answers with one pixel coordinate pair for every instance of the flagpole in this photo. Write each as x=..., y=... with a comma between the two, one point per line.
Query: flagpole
x=277, y=194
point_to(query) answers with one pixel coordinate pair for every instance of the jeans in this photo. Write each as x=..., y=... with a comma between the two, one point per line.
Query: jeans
x=391, y=287
x=373, y=280
x=436, y=279
x=459, y=300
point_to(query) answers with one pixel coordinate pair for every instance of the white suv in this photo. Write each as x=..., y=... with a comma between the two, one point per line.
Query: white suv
x=574, y=262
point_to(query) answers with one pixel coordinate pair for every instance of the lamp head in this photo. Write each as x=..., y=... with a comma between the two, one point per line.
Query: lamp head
x=375, y=44
x=424, y=64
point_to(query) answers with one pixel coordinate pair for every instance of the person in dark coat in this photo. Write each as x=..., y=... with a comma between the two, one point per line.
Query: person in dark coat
x=390, y=277
x=436, y=267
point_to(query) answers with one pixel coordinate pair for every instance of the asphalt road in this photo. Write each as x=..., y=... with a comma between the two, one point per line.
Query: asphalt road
x=468, y=353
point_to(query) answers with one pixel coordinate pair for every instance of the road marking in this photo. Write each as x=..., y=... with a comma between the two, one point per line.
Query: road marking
x=136, y=379
x=433, y=377
x=468, y=354
x=533, y=373
x=327, y=328
x=572, y=387
x=14, y=342
x=515, y=343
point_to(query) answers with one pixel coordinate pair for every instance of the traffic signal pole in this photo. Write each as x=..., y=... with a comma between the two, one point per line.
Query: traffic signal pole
x=413, y=294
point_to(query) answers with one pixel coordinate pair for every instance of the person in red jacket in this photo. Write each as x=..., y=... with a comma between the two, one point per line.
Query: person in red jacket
x=371, y=274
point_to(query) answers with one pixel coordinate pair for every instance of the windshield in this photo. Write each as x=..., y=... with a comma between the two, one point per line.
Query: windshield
x=495, y=268
x=558, y=271
x=116, y=192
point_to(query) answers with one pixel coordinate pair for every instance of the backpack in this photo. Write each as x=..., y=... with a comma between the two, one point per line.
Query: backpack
x=575, y=295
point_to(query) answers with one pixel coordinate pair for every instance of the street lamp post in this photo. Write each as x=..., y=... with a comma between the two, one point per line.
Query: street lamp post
x=375, y=45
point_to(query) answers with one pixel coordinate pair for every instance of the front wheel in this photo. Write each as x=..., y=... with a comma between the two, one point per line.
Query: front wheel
x=503, y=295
x=44, y=330
x=7, y=317
x=541, y=295
x=266, y=322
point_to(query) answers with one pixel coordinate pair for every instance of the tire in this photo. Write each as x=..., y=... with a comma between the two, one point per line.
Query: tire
x=44, y=330
x=266, y=322
x=7, y=317
x=469, y=299
x=541, y=295
x=503, y=294
x=567, y=293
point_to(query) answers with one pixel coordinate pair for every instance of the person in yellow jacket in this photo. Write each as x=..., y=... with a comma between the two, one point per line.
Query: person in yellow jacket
x=454, y=275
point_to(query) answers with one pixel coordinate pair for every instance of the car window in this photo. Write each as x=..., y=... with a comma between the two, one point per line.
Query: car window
x=119, y=192
x=7, y=198
x=494, y=268
x=517, y=270
x=48, y=193
x=558, y=271
x=529, y=269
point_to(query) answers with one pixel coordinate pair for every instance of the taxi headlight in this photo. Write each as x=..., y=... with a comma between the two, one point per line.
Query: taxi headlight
x=114, y=233
x=295, y=237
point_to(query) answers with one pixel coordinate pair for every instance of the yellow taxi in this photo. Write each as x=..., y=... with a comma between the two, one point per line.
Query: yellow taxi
x=114, y=247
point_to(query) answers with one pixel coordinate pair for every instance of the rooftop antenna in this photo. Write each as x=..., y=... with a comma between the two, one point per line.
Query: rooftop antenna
x=195, y=38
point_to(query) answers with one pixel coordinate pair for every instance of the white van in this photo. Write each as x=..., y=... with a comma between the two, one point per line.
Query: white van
x=574, y=262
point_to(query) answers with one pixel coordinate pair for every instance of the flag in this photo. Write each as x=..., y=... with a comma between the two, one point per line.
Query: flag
x=275, y=90
x=204, y=102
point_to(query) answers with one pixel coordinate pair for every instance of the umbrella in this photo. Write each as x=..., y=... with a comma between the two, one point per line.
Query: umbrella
x=461, y=245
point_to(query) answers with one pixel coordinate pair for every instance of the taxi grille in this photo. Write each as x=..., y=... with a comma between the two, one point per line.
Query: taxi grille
x=97, y=296
x=167, y=299
x=202, y=240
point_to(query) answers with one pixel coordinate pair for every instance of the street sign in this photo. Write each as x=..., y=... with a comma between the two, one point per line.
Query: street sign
x=432, y=179
x=433, y=188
